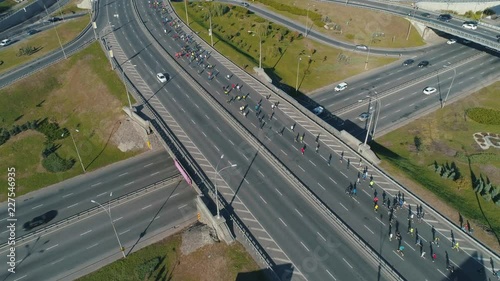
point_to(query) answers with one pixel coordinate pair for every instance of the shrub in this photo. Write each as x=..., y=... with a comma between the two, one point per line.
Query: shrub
x=51, y=130
x=4, y=136
x=54, y=163
x=484, y=115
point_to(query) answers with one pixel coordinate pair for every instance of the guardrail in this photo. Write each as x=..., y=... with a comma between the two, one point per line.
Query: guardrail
x=94, y=210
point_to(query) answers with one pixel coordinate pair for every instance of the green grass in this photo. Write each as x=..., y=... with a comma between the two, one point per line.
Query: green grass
x=279, y=55
x=357, y=25
x=69, y=9
x=447, y=136
x=46, y=41
x=218, y=261
x=76, y=93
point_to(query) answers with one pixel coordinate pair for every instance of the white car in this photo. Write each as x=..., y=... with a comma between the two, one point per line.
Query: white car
x=318, y=110
x=364, y=116
x=469, y=26
x=429, y=90
x=340, y=87
x=161, y=77
x=5, y=42
x=451, y=41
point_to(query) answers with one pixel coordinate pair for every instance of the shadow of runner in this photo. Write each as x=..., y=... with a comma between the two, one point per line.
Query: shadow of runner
x=152, y=219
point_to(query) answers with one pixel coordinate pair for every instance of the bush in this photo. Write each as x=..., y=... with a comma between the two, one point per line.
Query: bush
x=51, y=130
x=54, y=163
x=484, y=115
x=4, y=136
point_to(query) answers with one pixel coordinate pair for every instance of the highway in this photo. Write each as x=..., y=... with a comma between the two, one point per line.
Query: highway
x=82, y=246
x=194, y=116
x=399, y=88
x=301, y=222
x=254, y=184
x=73, y=196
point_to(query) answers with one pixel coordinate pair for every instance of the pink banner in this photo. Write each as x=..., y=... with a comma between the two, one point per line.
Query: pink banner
x=184, y=174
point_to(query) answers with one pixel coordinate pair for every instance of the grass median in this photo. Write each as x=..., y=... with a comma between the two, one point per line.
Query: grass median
x=447, y=136
x=284, y=52
x=41, y=43
x=78, y=93
x=165, y=261
x=348, y=23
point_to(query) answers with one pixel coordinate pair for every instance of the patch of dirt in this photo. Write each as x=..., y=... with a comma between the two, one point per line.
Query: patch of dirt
x=129, y=135
x=195, y=237
x=441, y=147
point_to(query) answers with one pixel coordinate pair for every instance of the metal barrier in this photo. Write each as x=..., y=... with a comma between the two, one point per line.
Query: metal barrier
x=94, y=210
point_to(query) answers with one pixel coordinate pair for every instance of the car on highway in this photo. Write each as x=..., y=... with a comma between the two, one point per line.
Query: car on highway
x=364, y=116
x=54, y=19
x=429, y=90
x=161, y=77
x=444, y=17
x=245, y=4
x=35, y=222
x=469, y=25
x=5, y=42
x=427, y=15
x=31, y=31
x=451, y=41
x=340, y=87
x=465, y=41
x=318, y=110
x=362, y=47
x=423, y=63
x=408, y=62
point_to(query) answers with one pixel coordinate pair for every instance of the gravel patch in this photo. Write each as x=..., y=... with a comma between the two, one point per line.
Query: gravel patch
x=196, y=237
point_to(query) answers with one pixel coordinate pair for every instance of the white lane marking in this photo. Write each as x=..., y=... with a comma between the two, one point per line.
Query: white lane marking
x=123, y=232
x=101, y=194
x=262, y=199
x=348, y=263
x=332, y=180
x=204, y=134
x=312, y=163
x=278, y=191
x=330, y=274
x=154, y=173
x=37, y=206
x=283, y=222
x=86, y=232
x=123, y=174
x=304, y=246
x=129, y=183
x=59, y=260
x=64, y=196
x=145, y=207
x=96, y=184
x=216, y=147
x=261, y=173
x=369, y=229
x=180, y=207
x=72, y=205
x=117, y=219
x=51, y=247
x=174, y=195
x=283, y=152
x=343, y=206
x=321, y=236
x=343, y=174
x=301, y=168
x=92, y=246
x=147, y=165
x=193, y=121
x=218, y=129
x=20, y=277
x=321, y=186
x=299, y=213
x=231, y=142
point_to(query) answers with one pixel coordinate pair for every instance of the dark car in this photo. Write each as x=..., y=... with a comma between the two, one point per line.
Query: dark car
x=35, y=222
x=31, y=31
x=423, y=63
x=427, y=15
x=408, y=62
x=444, y=17
x=54, y=19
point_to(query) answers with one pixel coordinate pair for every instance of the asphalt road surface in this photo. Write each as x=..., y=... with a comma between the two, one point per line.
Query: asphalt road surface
x=89, y=243
x=73, y=196
x=206, y=130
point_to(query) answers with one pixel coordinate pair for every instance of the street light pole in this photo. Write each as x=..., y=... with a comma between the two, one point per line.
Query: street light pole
x=260, y=46
x=379, y=105
x=307, y=20
x=112, y=224
x=76, y=148
x=297, y=82
x=367, y=57
x=211, y=32
x=57, y=34
x=369, y=121
x=451, y=85
x=186, y=8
